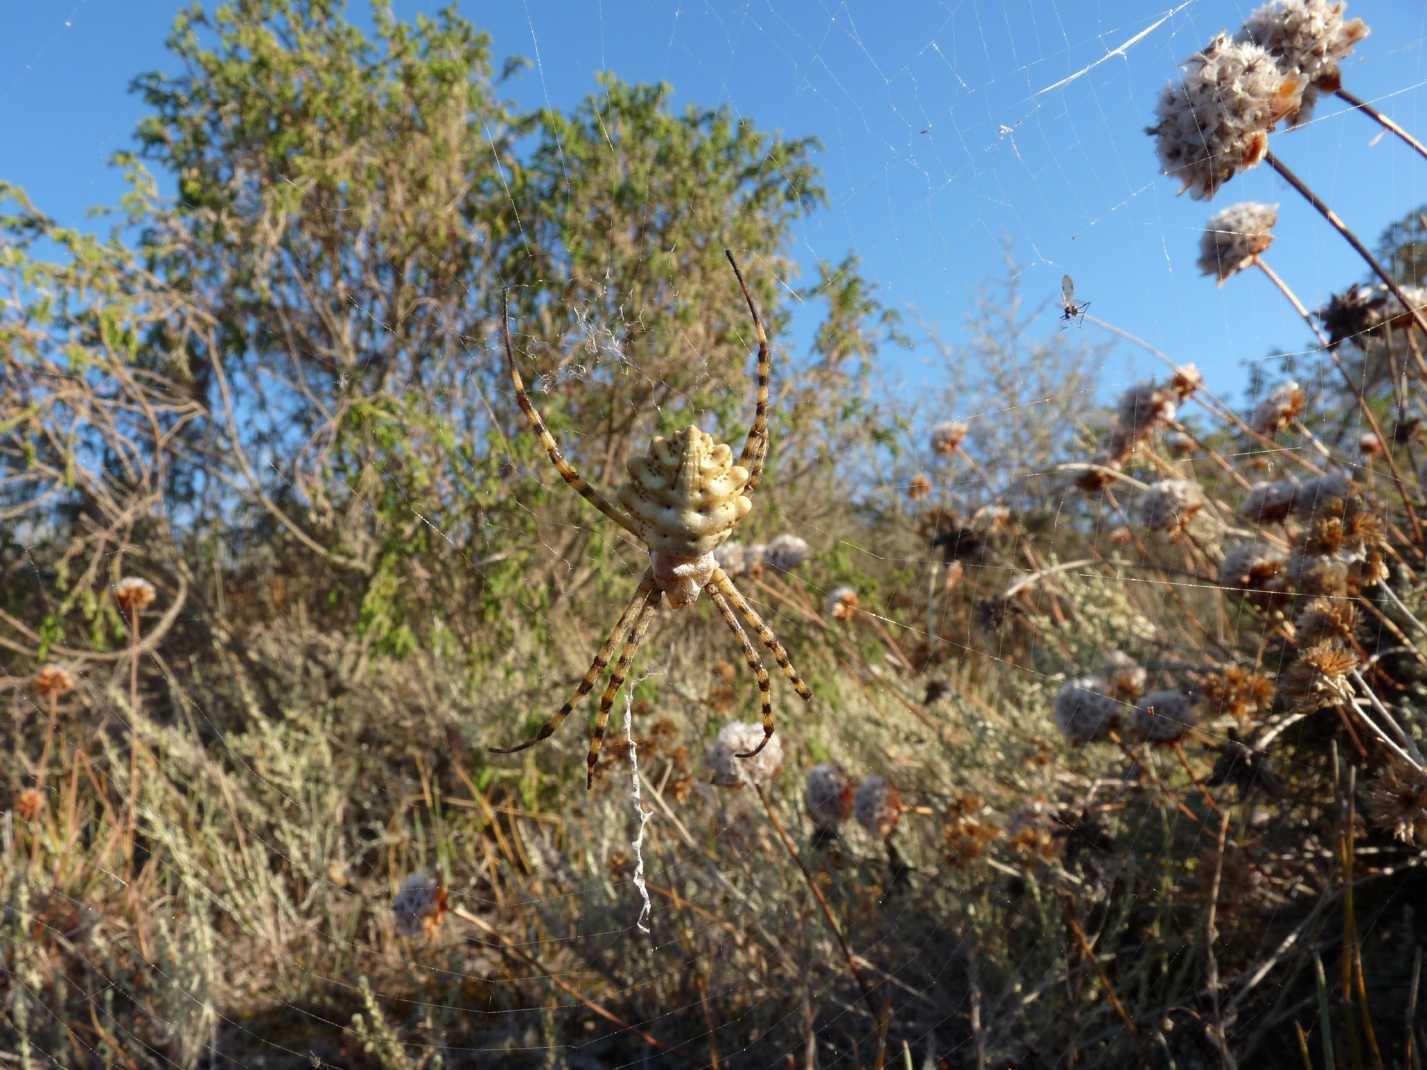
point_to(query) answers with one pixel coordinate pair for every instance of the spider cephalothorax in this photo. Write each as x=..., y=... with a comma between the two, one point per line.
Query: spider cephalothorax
x=683, y=498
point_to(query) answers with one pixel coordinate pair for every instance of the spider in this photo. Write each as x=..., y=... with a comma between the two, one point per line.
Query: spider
x=683, y=499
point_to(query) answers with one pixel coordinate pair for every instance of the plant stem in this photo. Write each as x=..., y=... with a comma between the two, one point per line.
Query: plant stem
x=1352, y=239
x=827, y=914
x=1383, y=121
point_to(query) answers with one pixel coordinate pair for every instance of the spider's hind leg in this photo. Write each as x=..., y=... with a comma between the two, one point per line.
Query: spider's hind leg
x=721, y=583
x=755, y=663
x=616, y=680
x=597, y=667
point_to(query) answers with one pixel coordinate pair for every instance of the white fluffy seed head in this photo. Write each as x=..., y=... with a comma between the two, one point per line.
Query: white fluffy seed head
x=419, y=905
x=134, y=594
x=738, y=737
x=786, y=552
x=1084, y=710
x=828, y=795
x=1164, y=716
x=1276, y=411
x=1253, y=566
x=947, y=436
x=1144, y=407
x=877, y=806
x=1168, y=504
x=1234, y=236
x=1322, y=495
x=1268, y=503
x=1124, y=676
x=1215, y=121
x=1309, y=39
x=841, y=603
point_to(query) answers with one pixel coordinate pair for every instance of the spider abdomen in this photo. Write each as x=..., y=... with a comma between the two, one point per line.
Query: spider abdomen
x=686, y=493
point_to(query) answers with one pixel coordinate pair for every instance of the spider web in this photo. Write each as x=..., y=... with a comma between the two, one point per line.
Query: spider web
x=962, y=141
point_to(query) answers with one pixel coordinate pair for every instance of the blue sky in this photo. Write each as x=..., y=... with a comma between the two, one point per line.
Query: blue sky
x=943, y=124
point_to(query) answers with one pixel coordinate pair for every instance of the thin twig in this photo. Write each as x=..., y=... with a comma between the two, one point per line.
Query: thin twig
x=1210, y=935
x=1382, y=120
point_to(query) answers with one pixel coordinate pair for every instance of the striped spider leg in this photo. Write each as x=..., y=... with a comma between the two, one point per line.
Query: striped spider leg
x=684, y=497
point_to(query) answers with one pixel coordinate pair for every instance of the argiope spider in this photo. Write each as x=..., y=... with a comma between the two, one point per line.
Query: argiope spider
x=683, y=499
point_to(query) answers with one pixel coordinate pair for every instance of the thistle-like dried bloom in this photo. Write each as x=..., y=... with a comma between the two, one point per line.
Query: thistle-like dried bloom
x=947, y=436
x=1084, y=710
x=1279, y=409
x=1309, y=39
x=786, y=552
x=29, y=804
x=1099, y=475
x=827, y=792
x=54, y=681
x=1164, y=716
x=1397, y=801
x=1216, y=120
x=1253, y=567
x=1326, y=618
x=1269, y=503
x=991, y=519
x=877, y=806
x=1234, y=236
x=419, y=906
x=1319, y=574
x=1362, y=312
x=1144, y=407
x=1125, y=678
x=1179, y=444
x=134, y=595
x=1369, y=445
x=1315, y=679
x=1169, y=504
x=1325, y=495
x=919, y=487
x=841, y=603
x=739, y=737
x=732, y=557
x=1186, y=381
x=1238, y=692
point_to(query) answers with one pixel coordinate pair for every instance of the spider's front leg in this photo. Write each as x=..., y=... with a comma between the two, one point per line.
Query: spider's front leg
x=755, y=447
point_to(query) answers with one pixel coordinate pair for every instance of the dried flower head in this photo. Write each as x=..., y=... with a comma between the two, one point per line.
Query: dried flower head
x=1279, y=409
x=1364, y=311
x=1247, y=768
x=1125, y=678
x=1143, y=407
x=1253, y=567
x=877, y=806
x=739, y=737
x=841, y=603
x=1325, y=495
x=786, y=552
x=1326, y=618
x=732, y=557
x=1179, y=444
x=1238, y=692
x=827, y=792
x=1234, y=236
x=1084, y=710
x=991, y=519
x=134, y=595
x=1315, y=679
x=29, y=804
x=54, y=681
x=947, y=436
x=1169, y=504
x=964, y=835
x=1098, y=474
x=1318, y=574
x=1121, y=536
x=1309, y=39
x=1164, y=716
x=1397, y=801
x=1216, y=120
x=419, y=906
x=1186, y=381
x=1269, y=503
x=919, y=487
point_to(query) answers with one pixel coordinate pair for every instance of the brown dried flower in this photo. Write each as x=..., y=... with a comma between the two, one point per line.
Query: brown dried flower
x=946, y=437
x=1238, y=692
x=52, y=680
x=1269, y=503
x=1125, y=678
x=1397, y=801
x=1169, y=504
x=827, y=792
x=29, y=804
x=1279, y=409
x=919, y=487
x=1309, y=39
x=134, y=595
x=841, y=603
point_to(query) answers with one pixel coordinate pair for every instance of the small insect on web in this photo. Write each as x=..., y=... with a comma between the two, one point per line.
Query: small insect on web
x=683, y=499
x=1069, y=310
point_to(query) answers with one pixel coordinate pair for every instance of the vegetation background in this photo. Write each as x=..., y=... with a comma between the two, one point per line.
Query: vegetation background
x=251, y=816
